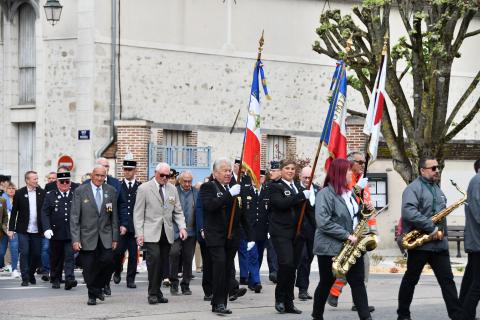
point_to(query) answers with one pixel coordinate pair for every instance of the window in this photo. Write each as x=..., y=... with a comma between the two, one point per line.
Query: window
x=378, y=186
x=26, y=54
x=276, y=147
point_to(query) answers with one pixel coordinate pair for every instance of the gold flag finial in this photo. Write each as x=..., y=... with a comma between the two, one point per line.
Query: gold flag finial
x=385, y=45
x=260, y=46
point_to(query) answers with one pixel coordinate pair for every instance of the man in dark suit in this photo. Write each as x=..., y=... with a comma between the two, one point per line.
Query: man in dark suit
x=25, y=220
x=94, y=229
x=128, y=194
x=56, y=227
x=53, y=184
x=217, y=197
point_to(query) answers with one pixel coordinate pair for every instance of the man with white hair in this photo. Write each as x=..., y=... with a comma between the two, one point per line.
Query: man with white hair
x=157, y=207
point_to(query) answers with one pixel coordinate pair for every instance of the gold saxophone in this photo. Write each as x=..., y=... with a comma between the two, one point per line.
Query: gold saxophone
x=416, y=238
x=351, y=251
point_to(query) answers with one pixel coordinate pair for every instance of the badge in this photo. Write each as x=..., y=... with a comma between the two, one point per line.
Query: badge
x=249, y=198
x=26, y=195
x=219, y=194
x=287, y=193
x=108, y=207
x=171, y=200
x=106, y=195
x=56, y=201
x=85, y=201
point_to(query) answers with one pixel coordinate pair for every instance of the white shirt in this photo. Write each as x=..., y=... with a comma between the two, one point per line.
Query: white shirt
x=128, y=181
x=290, y=184
x=66, y=193
x=94, y=189
x=352, y=206
x=158, y=187
x=32, y=204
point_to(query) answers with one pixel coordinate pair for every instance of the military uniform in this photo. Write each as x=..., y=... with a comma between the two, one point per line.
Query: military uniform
x=56, y=217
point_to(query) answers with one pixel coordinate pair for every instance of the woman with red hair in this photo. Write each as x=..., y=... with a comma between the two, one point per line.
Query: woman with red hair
x=337, y=213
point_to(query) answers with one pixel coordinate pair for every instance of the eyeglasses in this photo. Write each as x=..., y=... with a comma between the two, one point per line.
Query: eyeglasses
x=360, y=162
x=433, y=168
x=64, y=181
x=164, y=175
x=127, y=169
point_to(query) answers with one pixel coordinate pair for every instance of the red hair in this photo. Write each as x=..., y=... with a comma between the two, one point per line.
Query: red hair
x=337, y=175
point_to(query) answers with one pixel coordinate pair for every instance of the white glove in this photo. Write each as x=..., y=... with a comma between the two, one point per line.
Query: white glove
x=268, y=235
x=235, y=190
x=250, y=245
x=362, y=183
x=306, y=193
x=48, y=234
x=312, y=195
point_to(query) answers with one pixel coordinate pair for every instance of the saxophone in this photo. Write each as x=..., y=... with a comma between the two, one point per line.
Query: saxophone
x=416, y=238
x=351, y=251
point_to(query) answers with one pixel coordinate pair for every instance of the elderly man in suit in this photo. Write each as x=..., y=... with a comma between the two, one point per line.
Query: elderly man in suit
x=25, y=220
x=94, y=229
x=157, y=207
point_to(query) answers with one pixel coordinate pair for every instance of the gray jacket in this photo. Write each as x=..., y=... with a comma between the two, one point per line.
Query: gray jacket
x=417, y=209
x=87, y=224
x=472, y=216
x=334, y=223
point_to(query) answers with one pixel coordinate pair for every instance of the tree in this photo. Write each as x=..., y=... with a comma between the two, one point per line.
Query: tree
x=435, y=31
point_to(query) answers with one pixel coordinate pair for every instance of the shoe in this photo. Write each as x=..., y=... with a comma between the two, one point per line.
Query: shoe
x=332, y=300
x=131, y=285
x=15, y=274
x=69, y=284
x=33, y=280
x=45, y=277
x=258, y=288
x=100, y=296
x=220, y=309
x=92, y=301
x=239, y=293
x=292, y=309
x=370, y=308
x=186, y=291
x=56, y=284
x=280, y=307
x=273, y=277
x=152, y=299
x=243, y=281
x=162, y=299
x=304, y=296
x=25, y=283
x=174, y=290
x=116, y=278
x=208, y=297
x=107, y=291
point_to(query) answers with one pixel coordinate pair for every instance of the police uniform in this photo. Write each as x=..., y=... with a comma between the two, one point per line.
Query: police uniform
x=128, y=193
x=56, y=217
x=272, y=259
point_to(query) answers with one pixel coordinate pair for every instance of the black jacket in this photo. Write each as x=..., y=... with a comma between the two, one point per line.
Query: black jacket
x=308, y=223
x=286, y=207
x=20, y=215
x=217, y=206
x=56, y=214
x=257, y=205
x=127, y=201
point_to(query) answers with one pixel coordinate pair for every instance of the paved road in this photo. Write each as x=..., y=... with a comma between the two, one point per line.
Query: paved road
x=42, y=302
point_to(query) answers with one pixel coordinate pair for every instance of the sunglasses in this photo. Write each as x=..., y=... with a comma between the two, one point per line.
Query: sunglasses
x=64, y=181
x=360, y=162
x=433, y=168
x=164, y=175
x=127, y=169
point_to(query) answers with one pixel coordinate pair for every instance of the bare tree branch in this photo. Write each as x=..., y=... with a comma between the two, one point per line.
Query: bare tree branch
x=468, y=118
x=404, y=72
x=463, y=30
x=471, y=34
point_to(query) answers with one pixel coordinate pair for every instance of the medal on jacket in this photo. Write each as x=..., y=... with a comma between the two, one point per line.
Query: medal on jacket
x=265, y=201
x=287, y=193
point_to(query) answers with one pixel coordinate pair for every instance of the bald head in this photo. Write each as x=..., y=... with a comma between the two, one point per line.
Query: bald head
x=99, y=174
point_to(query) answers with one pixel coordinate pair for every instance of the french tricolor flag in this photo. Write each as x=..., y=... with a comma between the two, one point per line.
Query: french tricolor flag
x=375, y=109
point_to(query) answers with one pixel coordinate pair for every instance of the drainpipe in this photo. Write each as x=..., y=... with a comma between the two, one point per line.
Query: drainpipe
x=113, y=68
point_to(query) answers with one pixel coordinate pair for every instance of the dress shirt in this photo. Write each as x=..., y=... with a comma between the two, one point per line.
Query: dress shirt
x=32, y=204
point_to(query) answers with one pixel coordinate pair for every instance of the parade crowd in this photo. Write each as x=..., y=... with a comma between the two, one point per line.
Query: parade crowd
x=98, y=224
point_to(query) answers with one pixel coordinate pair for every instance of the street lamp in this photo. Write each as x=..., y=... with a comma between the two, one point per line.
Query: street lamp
x=53, y=10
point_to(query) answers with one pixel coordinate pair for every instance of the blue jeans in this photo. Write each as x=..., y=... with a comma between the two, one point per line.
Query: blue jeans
x=45, y=256
x=13, y=243
x=30, y=245
x=3, y=249
x=251, y=259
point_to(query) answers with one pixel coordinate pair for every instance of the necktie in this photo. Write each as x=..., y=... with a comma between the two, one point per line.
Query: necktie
x=226, y=187
x=64, y=194
x=98, y=199
x=293, y=188
x=130, y=185
x=256, y=192
x=161, y=194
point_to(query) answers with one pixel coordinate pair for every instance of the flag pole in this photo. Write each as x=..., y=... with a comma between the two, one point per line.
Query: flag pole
x=322, y=139
x=239, y=175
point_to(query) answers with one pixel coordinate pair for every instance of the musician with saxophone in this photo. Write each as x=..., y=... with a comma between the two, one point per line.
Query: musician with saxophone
x=420, y=201
x=337, y=214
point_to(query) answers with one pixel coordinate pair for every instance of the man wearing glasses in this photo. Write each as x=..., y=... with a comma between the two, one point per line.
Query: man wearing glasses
x=56, y=228
x=157, y=207
x=420, y=201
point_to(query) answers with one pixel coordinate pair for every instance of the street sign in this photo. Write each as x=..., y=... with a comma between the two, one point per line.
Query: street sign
x=65, y=161
x=83, y=134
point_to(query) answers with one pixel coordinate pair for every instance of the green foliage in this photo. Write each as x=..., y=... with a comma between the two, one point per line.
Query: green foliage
x=354, y=82
x=373, y=3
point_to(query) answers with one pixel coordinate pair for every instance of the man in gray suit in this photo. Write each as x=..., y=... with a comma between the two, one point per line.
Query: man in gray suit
x=157, y=207
x=94, y=228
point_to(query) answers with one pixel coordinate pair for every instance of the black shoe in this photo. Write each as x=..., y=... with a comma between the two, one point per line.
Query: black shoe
x=258, y=288
x=131, y=285
x=174, y=290
x=107, y=291
x=45, y=277
x=33, y=280
x=292, y=309
x=239, y=293
x=303, y=295
x=208, y=297
x=56, y=284
x=25, y=283
x=152, y=299
x=162, y=299
x=332, y=300
x=370, y=308
x=243, y=281
x=69, y=284
x=186, y=291
x=220, y=309
x=273, y=277
x=280, y=307
x=100, y=296
x=92, y=301
x=116, y=278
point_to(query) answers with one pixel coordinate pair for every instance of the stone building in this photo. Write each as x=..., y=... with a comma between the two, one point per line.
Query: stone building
x=166, y=79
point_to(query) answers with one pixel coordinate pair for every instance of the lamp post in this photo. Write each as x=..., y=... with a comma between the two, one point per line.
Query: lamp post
x=53, y=10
